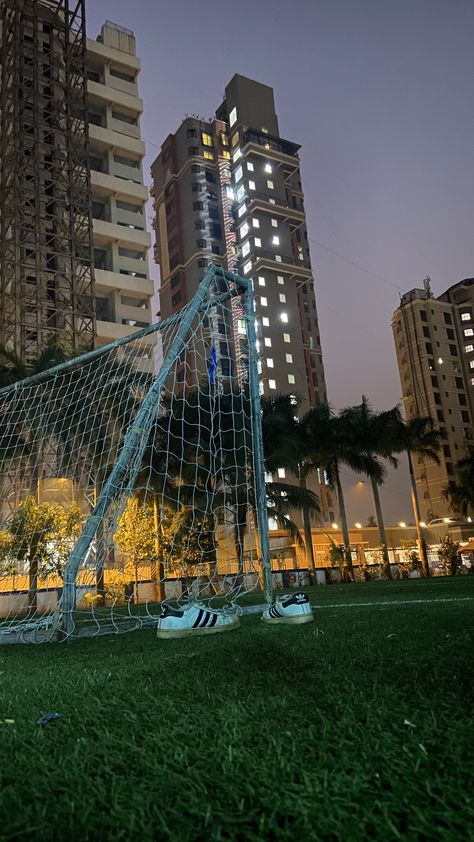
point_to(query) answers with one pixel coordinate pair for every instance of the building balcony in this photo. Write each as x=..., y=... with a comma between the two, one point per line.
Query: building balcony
x=287, y=265
x=99, y=52
x=104, y=184
x=106, y=232
x=104, y=94
x=281, y=207
x=104, y=138
x=108, y=281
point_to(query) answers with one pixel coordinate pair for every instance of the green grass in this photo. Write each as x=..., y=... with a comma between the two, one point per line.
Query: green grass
x=263, y=734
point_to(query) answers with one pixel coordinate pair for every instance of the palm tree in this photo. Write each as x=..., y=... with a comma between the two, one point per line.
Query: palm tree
x=376, y=434
x=460, y=491
x=419, y=435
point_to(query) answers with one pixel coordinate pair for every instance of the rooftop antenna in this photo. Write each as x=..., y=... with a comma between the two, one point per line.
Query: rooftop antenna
x=427, y=286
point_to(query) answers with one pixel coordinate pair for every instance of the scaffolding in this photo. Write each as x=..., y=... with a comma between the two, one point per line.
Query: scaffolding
x=46, y=250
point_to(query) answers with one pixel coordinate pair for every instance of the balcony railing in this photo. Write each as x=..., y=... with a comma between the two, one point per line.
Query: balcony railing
x=262, y=254
x=265, y=197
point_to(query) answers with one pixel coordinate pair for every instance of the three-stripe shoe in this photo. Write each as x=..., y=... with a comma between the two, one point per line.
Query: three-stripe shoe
x=195, y=619
x=294, y=608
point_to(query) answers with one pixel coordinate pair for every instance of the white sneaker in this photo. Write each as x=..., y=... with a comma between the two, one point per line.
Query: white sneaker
x=194, y=619
x=293, y=608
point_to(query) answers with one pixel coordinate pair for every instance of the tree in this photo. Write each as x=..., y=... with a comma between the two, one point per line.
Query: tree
x=42, y=537
x=449, y=555
x=371, y=522
x=135, y=536
x=460, y=491
x=419, y=435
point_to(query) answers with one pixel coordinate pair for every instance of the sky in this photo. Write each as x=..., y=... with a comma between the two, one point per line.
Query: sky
x=379, y=93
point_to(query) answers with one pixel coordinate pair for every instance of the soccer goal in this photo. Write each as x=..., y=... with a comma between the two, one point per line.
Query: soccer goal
x=133, y=476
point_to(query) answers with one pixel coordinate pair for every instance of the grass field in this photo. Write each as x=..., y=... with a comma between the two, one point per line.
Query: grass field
x=357, y=727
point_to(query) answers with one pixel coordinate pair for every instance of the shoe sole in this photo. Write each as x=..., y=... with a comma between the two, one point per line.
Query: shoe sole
x=168, y=634
x=295, y=621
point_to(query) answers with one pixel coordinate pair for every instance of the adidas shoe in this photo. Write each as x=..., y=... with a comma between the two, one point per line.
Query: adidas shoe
x=194, y=619
x=293, y=608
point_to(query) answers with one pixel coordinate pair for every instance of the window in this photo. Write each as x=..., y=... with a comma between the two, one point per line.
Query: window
x=284, y=317
x=423, y=316
x=201, y=244
x=215, y=249
x=261, y=281
x=243, y=230
x=210, y=176
x=272, y=384
x=239, y=173
x=450, y=333
x=235, y=139
x=469, y=349
x=268, y=168
x=291, y=378
x=278, y=258
x=280, y=279
x=256, y=224
x=429, y=348
x=192, y=150
x=233, y=117
x=202, y=262
x=270, y=184
x=247, y=267
x=206, y=139
x=127, y=162
x=245, y=249
x=265, y=321
x=453, y=350
x=251, y=185
x=258, y=242
x=250, y=166
x=275, y=240
x=447, y=318
x=459, y=382
x=191, y=133
x=226, y=154
x=272, y=201
x=270, y=362
x=426, y=331
x=289, y=358
x=196, y=187
x=198, y=206
x=236, y=155
x=465, y=417
x=471, y=364
x=465, y=317
x=274, y=222
x=263, y=301
x=286, y=337
x=267, y=342
x=176, y=298
x=472, y=381
x=240, y=194
x=241, y=211
x=440, y=415
x=281, y=473
x=468, y=331
x=282, y=298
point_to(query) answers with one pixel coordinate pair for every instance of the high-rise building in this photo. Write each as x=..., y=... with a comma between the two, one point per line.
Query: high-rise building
x=228, y=190
x=73, y=244
x=434, y=341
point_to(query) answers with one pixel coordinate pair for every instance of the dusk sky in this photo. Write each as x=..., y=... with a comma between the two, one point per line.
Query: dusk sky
x=380, y=96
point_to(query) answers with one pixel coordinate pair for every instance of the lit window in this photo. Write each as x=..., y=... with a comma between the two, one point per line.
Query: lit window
x=267, y=342
x=241, y=211
x=261, y=281
x=250, y=166
x=241, y=326
x=255, y=222
x=239, y=173
x=272, y=524
x=272, y=201
x=466, y=317
x=247, y=267
x=272, y=384
x=270, y=362
x=282, y=297
x=240, y=193
x=229, y=192
x=280, y=279
x=258, y=242
x=468, y=331
x=286, y=337
x=237, y=154
x=278, y=258
x=275, y=240
x=469, y=349
x=264, y=130
x=251, y=185
x=268, y=168
x=274, y=222
x=243, y=230
x=291, y=378
x=284, y=317
x=270, y=184
x=245, y=249
x=261, y=388
x=471, y=364
x=265, y=321
x=233, y=117
x=257, y=345
x=263, y=301
x=206, y=139
x=226, y=154
x=288, y=357
x=234, y=139
x=208, y=155
x=281, y=473
x=259, y=367
x=472, y=381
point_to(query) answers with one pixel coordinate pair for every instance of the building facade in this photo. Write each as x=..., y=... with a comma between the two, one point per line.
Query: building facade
x=228, y=190
x=73, y=244
x=434, y=342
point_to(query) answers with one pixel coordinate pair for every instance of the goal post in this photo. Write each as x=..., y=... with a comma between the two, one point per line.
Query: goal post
x=161, y=475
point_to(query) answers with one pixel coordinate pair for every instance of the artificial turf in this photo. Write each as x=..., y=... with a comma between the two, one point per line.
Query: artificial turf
x=356, y=727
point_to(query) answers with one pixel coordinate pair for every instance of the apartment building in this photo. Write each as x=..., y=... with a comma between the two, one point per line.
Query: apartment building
x=228, y=190
x=73, y=240
x=434, y=342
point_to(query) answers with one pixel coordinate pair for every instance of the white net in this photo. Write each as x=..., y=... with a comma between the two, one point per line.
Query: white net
x=121, y=489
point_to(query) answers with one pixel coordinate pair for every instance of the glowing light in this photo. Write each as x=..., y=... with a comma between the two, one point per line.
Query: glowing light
x=402, y=524
x=335, y=526
x=358, y=525
x=446, y=520
x=422, y=523
x=440, y=360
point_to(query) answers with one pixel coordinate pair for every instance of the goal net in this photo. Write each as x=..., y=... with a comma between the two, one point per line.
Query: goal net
x=126, y=482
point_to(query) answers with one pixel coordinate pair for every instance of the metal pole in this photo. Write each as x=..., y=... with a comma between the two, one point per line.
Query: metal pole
x=258, y=456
